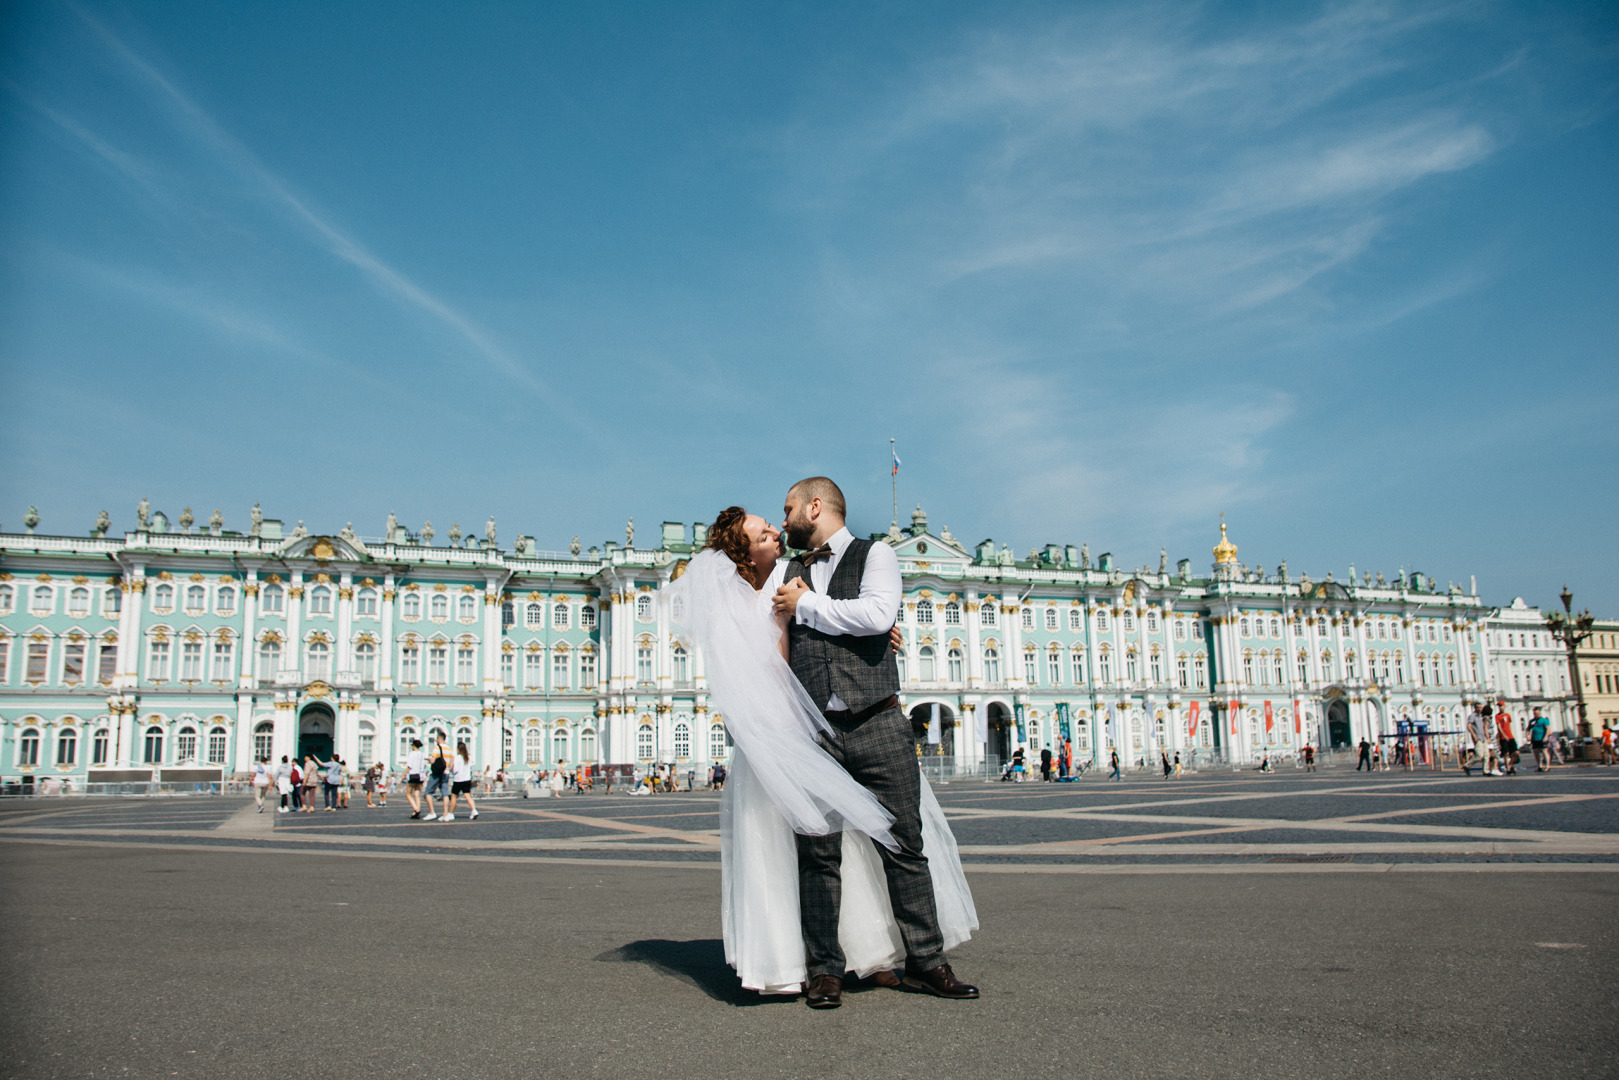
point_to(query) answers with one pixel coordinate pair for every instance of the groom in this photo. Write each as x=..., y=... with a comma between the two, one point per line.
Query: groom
x=843, y=595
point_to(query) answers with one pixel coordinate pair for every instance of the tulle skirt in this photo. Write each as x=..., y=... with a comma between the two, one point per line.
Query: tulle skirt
x=759, y=890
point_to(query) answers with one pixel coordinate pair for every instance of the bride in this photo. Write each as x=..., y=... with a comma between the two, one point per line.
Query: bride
x=783, y=782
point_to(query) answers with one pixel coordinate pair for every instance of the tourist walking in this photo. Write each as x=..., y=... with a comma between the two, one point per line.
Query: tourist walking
x=297, y=787
x=1538, y=727
x=1509, y=741
x=415, y=770
x=261, y=780
x=334, y=777
x=283, y=782
x=558, y=780
x=369, y=784
x=1113, y=763
x=1309, y=758
x=311, y=782
x=1163, y=755
x=1045, y=764
x=438, y=776
x=1365, y=761
x=461, y=783
x=1179, y=769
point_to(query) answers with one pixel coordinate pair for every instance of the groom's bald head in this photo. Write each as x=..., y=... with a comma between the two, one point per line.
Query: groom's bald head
x=820, y=487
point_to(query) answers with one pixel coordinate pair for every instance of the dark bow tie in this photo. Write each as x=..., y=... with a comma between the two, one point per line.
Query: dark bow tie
x=810, y=558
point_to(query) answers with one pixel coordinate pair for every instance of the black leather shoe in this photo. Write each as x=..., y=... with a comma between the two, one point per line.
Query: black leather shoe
x=941, y=982
x=884, y=977
x=825, y=992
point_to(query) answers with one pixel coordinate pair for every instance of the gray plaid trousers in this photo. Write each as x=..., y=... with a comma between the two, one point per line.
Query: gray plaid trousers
x=880, y=753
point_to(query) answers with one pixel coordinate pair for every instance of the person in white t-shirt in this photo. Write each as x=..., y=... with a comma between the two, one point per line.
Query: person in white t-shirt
x=415, y=774
x=261, y=780
x=461, y=783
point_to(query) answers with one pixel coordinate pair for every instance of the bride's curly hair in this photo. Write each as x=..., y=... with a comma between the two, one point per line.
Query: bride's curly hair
x=728, y=538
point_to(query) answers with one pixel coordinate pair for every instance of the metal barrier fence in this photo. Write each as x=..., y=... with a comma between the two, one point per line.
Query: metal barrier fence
x=148, y=789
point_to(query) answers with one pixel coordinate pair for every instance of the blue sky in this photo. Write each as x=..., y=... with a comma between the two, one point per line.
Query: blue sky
x=1348, y=273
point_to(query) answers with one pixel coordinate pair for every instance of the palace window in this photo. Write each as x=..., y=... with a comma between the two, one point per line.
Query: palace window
x=73, y=663
x=1445, y=633
x=1076, y=619
x=953, y=663
x=1152, y=622
x=191, y=661
x=682, y=740
x=1201, y=670
x=1101, y=620
x=587, y=745
x=162, y=599
x=466, y=608
x=644, y=747
x=534, y=616
x=508, y=615
x=269, y=659
x=1104, y=667
x=1180, y=629
x=365, y=658
x=157, y=664
x=1304, y=668
x=225, y=601
x=196, y=599
x=643, y=607
x=216, y=746
x=1129, y=621
x=1131, y=673
x=153, y=751
x=438, y=664
x=1349, y=665
x=643, y=664
x=986, y=612
x=1028, y=618
x=275, y=599
x=368, y=743
x=320, y=661
x=1275, y=627
x=534, y=670
x=410, y=665
x=8, y=596
x=224, y=653
x=5, y=660
x=438, y=607
x=559, y=616
x=559, y=670
x=365, y=604
x=587, y=670
x=507, y=669
x=464, y=674
x=411, y=607
x=682, y=664
x=924, y=664
x=1182, y=671
x=1031, y=669
x=534, y=746
x=952, y=614
x=716, y=742
x=264, y=740
x=1076, y=667
x=1054, y=668
x=78, y=602
x=100, y=747
x=1399, y=668
x=899, y=664
x=1277, y=669
x=1051, y=619
x=1248, y=668
x=1157, y=665
x=28, y=748
x=992, y=665
x=924, y=612
x=587, y=617
x=1242, y=627
x=185, y=745
x=67, y=747
x=39, y=657
x=112, y=602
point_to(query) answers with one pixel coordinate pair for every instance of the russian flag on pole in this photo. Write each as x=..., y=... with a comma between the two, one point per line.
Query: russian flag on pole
x=896, y=463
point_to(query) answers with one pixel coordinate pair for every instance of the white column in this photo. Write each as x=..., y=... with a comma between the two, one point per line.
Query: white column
x=492, y=637
x=385, y=648
x=975, y=660
x=292, y=655
x=244, y=732
x=343, y=647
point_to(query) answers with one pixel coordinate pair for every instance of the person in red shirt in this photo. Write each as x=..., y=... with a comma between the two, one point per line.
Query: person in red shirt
x=1509, y=743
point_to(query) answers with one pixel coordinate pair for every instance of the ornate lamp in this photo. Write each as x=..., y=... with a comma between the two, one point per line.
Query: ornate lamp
x=1572, y=630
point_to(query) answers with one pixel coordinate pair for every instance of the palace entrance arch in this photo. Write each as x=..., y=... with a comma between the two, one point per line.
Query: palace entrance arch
x=317, y=726
x=1338, y=733
x=999, y=719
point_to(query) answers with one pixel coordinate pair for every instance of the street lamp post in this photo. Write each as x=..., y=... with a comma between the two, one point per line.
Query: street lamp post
x=1571, y=630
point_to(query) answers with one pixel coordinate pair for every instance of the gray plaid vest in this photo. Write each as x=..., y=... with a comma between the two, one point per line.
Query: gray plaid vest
x=860, y=670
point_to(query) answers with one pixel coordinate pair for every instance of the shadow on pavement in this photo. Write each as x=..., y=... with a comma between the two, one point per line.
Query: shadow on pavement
x=700, y=963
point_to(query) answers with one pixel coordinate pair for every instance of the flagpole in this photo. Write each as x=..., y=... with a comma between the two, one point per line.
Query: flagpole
x=894, y=476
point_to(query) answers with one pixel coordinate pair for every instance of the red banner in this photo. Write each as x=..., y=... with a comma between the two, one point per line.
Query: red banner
x=1233, y=709
x=1270, y=722
x=1191, y=721
x=1298, y=719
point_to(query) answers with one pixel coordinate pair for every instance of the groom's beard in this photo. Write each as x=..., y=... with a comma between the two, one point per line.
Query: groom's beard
x=799, y=534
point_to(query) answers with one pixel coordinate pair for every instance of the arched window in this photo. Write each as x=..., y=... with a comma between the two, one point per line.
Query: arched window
x=1076, y=667
x=464, y=735
x=986, y=612
x=319, y=662
x=559, y=616
x=274, y=599
x=954, y=660
x=716, y=742
x=1076, y=619
x=1304, y=667
x=411, y=608
x=682, y=664
x=438, y=663
x=154, y=747
x=263, y=740
x=439, y=607
x=1051, y=618
x=78, y=602
x=643, y=664
x=466, y=608
x=101, y=747
x=992, y=665
x=1104, y=666
x=952, y=614
x=559, y=745
x=185, y=744
x=1242, y=627
x=643, y=607
x=1450, y=670
x=1399, y=667
x=560, y=670
x=28, y=749
x=406, y=734
x=1152, y=622
x=534, y=746
x=368, y=743
x=196, y=599
x=1182, y=671
x=1200, y=670
x=1129, y=620
x=67, y=747
x=924, y=612
x=1156, y=665
x=587, y=617
x=587, y=746
x=320, y=600
x=1101, y=620
x=225, y=600
x=8, y=597
x=162, y=598
x=217, y=739
x=924, y=664
x=365, y=604
x=1275, y=627
x=682, y=740
x=1054, y=667
x=508, y=615
x=1248, y=668
x=1026, y=616
x=643, y=742
x=1031, y=667
x=534, y=616
x=465, y=665
x=1131, y=673
x=365, y=658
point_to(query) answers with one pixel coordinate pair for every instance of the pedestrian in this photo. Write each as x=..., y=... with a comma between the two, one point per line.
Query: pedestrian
x=488, y=780
x=415, y=774
x=558, y=780
x=1179, y=769
x=297, y=779
x=1607, y=744
x=719, y=777
x=1163, y=755
x=346, y=788
x=334, y=777
x=1017, y=765
x=261, y=780
x=1113, y=762
x=1309, y=758
x=438, y=776
x=1045, y=764
x=283, y=783
x=461, y=783
x=1538, y=727
x=1508, y=739
x=369, y=784
x=1377, y=757
x=382, y=784
x=311, y=782
x=1365, y=761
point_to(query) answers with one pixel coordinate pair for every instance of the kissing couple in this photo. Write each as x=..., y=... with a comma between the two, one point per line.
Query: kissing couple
x=835, y=855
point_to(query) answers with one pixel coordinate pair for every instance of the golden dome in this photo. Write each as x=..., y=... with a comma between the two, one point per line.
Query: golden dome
x=1225, y=551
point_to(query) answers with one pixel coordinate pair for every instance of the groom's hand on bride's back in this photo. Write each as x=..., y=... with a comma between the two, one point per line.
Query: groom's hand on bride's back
x=786, y=599
x=896, y=637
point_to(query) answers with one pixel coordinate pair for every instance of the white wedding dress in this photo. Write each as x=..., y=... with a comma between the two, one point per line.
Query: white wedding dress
x=782, y=781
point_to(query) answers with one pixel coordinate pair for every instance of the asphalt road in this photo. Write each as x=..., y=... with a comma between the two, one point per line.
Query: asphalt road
x=147, y=962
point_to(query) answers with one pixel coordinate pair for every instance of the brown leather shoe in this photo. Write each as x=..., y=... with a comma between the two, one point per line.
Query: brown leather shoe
x=941, y=982
x=884, y=977
x=825, y=992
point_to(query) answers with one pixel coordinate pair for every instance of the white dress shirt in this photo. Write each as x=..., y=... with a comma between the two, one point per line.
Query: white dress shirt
x=873, y=612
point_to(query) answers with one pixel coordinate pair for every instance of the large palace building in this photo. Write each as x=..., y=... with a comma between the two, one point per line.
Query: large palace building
x=181, y=653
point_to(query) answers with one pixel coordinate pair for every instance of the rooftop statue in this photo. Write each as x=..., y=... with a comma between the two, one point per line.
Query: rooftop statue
x=256, y=517
x=103, y=523
x=489, y=530
x=143, y=513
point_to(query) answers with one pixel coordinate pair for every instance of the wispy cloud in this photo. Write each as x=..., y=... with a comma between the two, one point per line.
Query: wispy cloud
x=386, y=278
